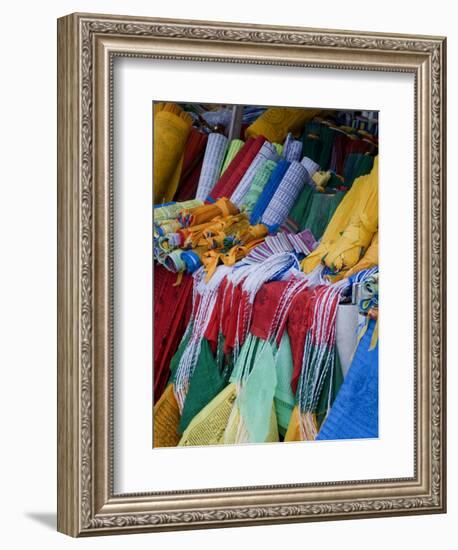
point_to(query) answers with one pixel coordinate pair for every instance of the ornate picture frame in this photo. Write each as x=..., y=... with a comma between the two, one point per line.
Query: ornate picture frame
x=87, y=46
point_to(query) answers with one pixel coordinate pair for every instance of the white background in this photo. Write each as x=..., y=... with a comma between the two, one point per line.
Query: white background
x=136, y=81
x=28, y=274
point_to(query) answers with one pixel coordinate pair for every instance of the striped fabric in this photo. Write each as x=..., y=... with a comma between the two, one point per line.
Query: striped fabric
x=233, y=149
x=292, y=148
x=211, y=168
x=259, y=182
x=269, y=191
x=284, y=197
x=300, y=243
x=310, y=165
x=267, y=152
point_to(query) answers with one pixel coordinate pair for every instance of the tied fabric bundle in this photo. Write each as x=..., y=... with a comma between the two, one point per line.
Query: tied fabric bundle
x=171, y=129
x=267, y=152
x=275, y=123
x=228, y=182
x=202, y=214
x=211, y=168
x=282, y=201
x=171, y=210
x=269, y=191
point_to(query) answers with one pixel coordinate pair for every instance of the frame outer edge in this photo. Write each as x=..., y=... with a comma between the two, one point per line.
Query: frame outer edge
x=68, y=277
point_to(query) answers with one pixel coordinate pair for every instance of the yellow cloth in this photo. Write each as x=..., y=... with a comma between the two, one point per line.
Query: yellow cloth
x=166, y=417
x=236, y=433
x=208, y=426
x=351, y=227
x=171, y=129
x=275, y=123
x=296, y=433
x=370, y=259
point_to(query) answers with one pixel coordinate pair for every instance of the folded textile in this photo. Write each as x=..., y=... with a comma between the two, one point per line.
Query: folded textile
x=171, y=129
x=267, y=152
x=285, y=195
x=211, y=167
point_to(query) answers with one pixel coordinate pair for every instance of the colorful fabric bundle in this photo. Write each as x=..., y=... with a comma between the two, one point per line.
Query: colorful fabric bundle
x=211, y=167
x=285, y=195
x=233, y=149
x=229, y=181
x=275, y=123
x=171, y=129
x=269, y=190
x=310, y=165
x=267, y=152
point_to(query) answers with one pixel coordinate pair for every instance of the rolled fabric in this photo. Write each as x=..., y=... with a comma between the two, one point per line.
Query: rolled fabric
x=192, y=165
x=232, y=150
x=292, y=149
x=269, y=191
x=276, y=122
x=288, y=190
x=211, y=168
x=228, y=182
x=257, y=185
x=171, y=129
x=310, y=165
x=171, y=211
x=267, y=152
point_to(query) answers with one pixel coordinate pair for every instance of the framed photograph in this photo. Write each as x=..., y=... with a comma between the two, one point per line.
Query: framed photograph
x=251, y=289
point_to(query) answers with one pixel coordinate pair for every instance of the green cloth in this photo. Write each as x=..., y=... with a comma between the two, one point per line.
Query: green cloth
x=256, y=395
x=205, y=383
x=322, y=208
x=233, y=149
x=284, y=396
x=301, y=209
x=257, y=185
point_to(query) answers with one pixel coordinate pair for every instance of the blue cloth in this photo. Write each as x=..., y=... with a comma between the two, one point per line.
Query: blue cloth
x=269, y=191
x=354, y=414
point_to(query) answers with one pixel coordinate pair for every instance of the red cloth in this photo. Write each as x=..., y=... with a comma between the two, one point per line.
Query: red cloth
x=172, y=311
x=265, y=306
x=300, y=319
x=192, y=165
x=228, y=182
